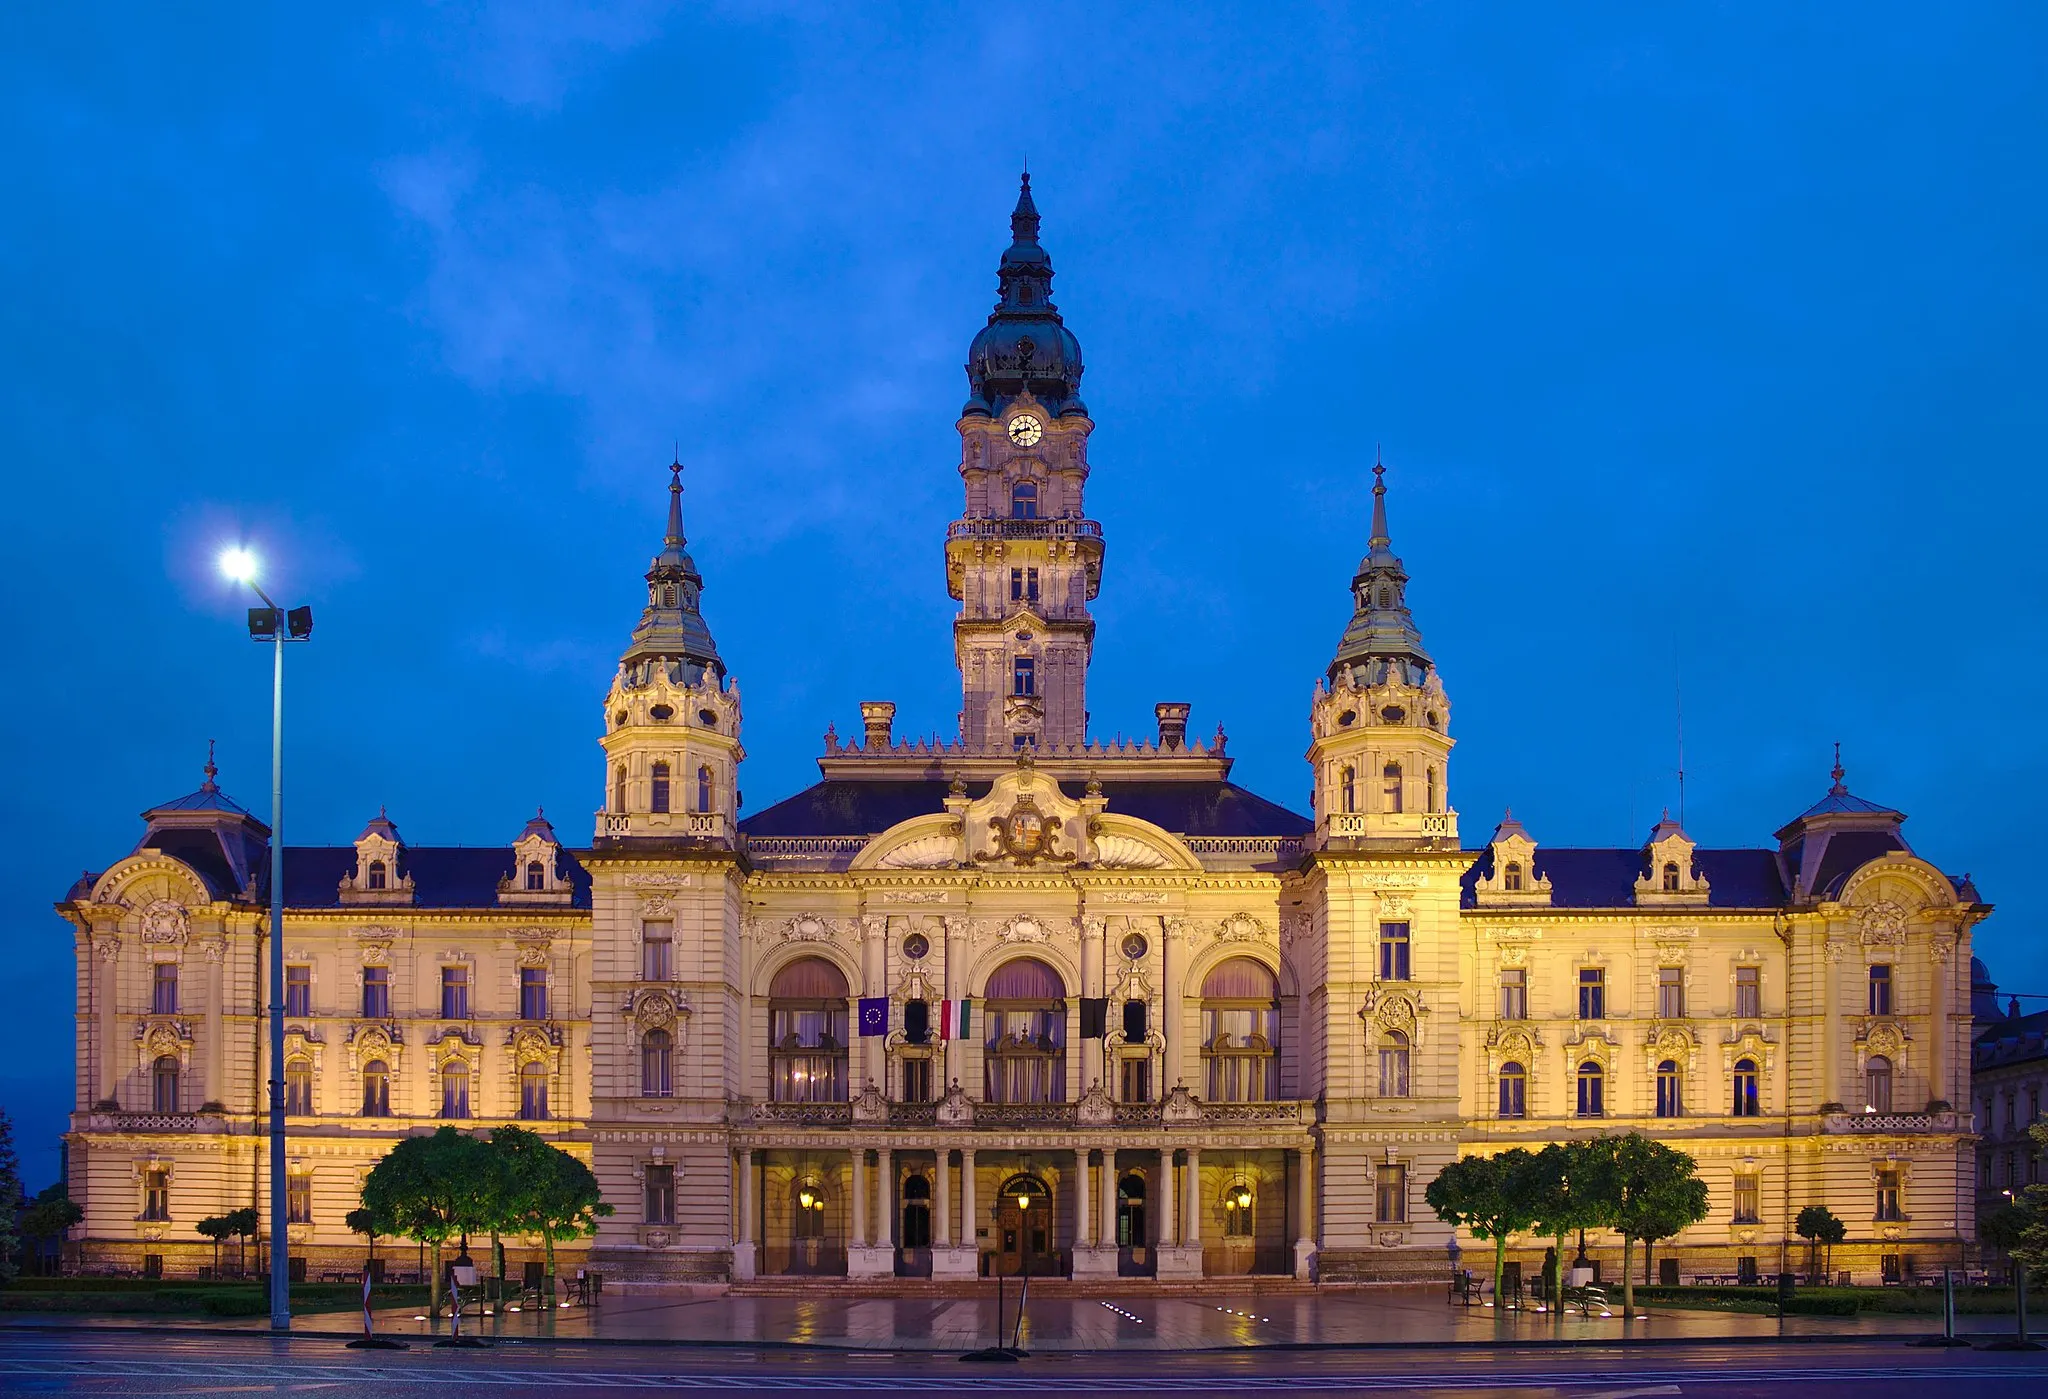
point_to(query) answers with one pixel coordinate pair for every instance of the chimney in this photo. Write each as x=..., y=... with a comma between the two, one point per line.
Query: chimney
x=1173, y=724
x=878, y=716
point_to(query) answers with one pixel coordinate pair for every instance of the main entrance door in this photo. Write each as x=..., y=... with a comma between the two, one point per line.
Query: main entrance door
x=1024, y=1229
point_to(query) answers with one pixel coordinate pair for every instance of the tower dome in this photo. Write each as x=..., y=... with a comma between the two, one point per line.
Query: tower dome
x=1025, y=344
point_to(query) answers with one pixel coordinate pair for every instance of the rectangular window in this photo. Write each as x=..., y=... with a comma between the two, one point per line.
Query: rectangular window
x=163, y=995
x=1671, y=993
x=1134, y=1079
x=917, y=1080
x=298, y=1198
x=1391, y=1195
x=376, y=993
x=1031, y=585
x=298, y=991
x=1393, y=952
x=2033, y=1106
x=1592, y=993
x=1023, y=585
x=1746, y=1196
x=533, y=993
x=1514, y=994
x=1888, y=1194
x=1024, y=677
x=657, y=942
x=455, y=993
x=1749, y=993
x=661, y=1195
x=1880, y=990
x=2012, y=1102
x=156, y=1193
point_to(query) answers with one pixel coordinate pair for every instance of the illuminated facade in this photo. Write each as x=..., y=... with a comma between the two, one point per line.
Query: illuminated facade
x=1024, y=995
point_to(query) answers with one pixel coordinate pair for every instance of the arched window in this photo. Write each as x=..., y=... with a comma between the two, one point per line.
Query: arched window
x=1390, y=778
x=1746, y=1104
x=807, y=1033
x=536, y=877
x=658, y=797
x=1027, y=1034
x=1670, y=1101
x=1435, y=799
x=1241, y=1032
x=917, y=1213
x=376, y=1089
x=298, y=1087
x=619, y=789
x=455, y=1089
x=533, y=1091
x=1130, y=1212
x=654, y=1065
x=1349, y=787
x=1592, y=1090
x=163, y=1084
x=1514, y=1090
x=1394, y=1065
x=704, y=789
x=1670, y=876
x=1238, y=1200
x=1877, y=1078
x=1512, y=879
x=1024, y=501
x=377, y=874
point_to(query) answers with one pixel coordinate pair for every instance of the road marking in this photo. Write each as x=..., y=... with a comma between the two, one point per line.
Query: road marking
x=1634, y=1393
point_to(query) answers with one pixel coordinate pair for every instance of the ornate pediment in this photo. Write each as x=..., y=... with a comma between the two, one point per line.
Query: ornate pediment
x=1025, y=822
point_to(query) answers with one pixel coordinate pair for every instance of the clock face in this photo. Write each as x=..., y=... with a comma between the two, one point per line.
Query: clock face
x=1025, y=430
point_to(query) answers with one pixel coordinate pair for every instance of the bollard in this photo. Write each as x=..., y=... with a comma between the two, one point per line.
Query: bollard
x=2020, y=1342
x=370, y=1340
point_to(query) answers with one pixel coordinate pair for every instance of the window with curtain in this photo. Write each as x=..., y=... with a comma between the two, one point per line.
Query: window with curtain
x=533, y=993
x=657, y=944
x=1393, y=952
x=1592, y=1090
x=659, y=1204
x=455, y=993
x=1746, y=1103
x=1888, y=1208
x=163, y=991
x=658, y=792
x=298, y=1087
x=455, y=1089
x=1670, y=1090
x=533, y=1091
x=1749, y=993
x=655, y=1080
x=298, y=991
x=1241, y=1032
x=1390, y=1203
x=376, y=993
x=1394, y=1065
x=1747, y=1191
x=163, y=1084
x=1671, y=993
x=1390, y=783
x=1026, y=1050
x=1514, y=994
x=1877, y=1078
x=1514, y=1090
x=298, y=1198
x=807, y=1033
x=376, y=1089
x=156, y=1193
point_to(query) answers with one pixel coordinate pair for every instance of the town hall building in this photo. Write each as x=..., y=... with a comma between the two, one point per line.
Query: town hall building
x=1028, y=998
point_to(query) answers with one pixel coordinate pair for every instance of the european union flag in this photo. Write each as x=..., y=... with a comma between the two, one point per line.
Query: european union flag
x=874, y=1015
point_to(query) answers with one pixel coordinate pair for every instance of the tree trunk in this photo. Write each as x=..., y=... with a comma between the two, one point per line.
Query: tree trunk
x=434, y=1285
x=547, y=1239
x=1628, y=1279
x=1649, y=1247
x=1500, y=1265
x=1557, y=1278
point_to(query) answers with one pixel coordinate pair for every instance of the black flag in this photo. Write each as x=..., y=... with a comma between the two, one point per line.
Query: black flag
x=1094, y=1017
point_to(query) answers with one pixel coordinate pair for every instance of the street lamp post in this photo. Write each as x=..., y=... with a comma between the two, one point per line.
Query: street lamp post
x=271, y=623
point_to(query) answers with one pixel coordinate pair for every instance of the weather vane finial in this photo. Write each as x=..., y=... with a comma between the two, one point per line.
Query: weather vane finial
x=211, y=770
x=1838, y=773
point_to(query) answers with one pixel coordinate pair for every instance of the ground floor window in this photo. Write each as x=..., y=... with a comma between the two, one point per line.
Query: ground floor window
x=1391, y=1194
x=660, y=1204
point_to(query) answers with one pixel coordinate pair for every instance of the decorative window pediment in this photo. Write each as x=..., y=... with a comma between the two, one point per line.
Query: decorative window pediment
x=536, y=876
x=1513, y=881
x=1671, y=877
x=378, y=877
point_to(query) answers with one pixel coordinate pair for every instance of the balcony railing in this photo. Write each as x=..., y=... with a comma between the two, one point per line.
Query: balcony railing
x=1894, y=1122
x=144, y=1122
x=1024, y=1114
x=803, y=1114
x=1024, y=529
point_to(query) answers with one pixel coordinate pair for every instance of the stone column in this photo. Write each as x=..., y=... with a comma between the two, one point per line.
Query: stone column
x=970, y=1218
x=1304, y=1209
x=885, y=1189
x=860, y=1198
x=744, y=1262
x=1169, y=1008
x=1084, y=1222
x=956, y=987
x=107, y=954
x=213, y=1090
x=1107, y=1226
x=1191, y=1234
x=1831, y=1026
x=1092, y=977
x=874, y=982
x=1165, y=1208
x=942, y=1199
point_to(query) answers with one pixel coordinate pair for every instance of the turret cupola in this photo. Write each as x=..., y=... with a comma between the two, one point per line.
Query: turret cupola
x=1380, y=719
x=672, y=717
x=1025, y=347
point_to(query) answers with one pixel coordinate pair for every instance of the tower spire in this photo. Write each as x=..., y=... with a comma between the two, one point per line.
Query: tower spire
x=675, y=538
x=1382, y=634
x=1380, y=538
x=671, y=629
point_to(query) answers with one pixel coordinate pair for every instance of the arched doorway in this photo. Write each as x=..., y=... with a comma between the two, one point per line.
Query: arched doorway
x=1133, y=1241
x=1024, y=1229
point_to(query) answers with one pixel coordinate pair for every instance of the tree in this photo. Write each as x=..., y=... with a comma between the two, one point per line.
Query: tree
x=1652, y=1192
x=1569, y=1187
x=547, y=1191
x=1817, y=1225
x=10, y=1195
x=433, y=1189
x=367, y=1223
x=217, y=1228
x=245, y=1224
x=1488, y=1195
x=53, y=1212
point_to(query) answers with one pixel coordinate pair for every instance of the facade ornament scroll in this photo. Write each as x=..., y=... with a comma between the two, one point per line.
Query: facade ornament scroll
x=808, y=927
x=164, y=922
x=216, y=949
x=1241, y=927
x=1022, y=928
x=106, y=948
x=1394, y=906
x=1943, y=945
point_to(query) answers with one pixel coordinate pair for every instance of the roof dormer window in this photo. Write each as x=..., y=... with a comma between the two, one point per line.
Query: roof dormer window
x=378, y=876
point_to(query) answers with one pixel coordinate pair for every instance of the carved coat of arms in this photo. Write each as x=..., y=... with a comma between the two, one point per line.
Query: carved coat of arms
x=1025, y=834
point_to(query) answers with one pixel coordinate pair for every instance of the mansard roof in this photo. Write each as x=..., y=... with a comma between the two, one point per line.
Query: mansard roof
x=443, y=876
x=1593, y=878
x=847, y=808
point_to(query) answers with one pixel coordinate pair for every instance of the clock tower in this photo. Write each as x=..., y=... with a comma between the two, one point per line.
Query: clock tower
x=1023, y=560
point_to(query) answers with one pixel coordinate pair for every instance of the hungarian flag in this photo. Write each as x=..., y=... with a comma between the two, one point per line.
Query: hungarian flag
x=874, y=1015
x=954, y=1019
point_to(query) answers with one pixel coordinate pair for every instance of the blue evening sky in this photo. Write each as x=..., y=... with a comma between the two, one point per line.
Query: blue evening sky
x=1706, y=346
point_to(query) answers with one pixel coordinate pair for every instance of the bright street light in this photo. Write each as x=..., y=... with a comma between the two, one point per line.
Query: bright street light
x=239, y=564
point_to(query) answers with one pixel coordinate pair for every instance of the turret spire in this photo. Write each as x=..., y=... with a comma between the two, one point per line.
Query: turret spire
x=671, y=629
x=1025, y=347
x=1382, y=633
x=1380, y=538
x=675, y=538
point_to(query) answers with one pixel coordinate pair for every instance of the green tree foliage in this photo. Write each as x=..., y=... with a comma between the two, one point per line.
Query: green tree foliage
x=50, y=1215
x=216, y=1228
x=245, y=1224
x=546, y=1191
x=1487, y=1195
x=434, y=1189
x=370, y=1225
x=1569, y=1187
x=1651, y=1192
x=10, y=1196
x=1817, y=1225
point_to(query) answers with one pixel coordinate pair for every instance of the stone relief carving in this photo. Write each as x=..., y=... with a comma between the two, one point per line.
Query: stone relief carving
x=1883, y=924
x=1022, y=928
x=925, y=853
x=808, y=927
x=1129, y=896
x=914, y=896
x=164, y=921
x=1241, y=927
x=1121, y=852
